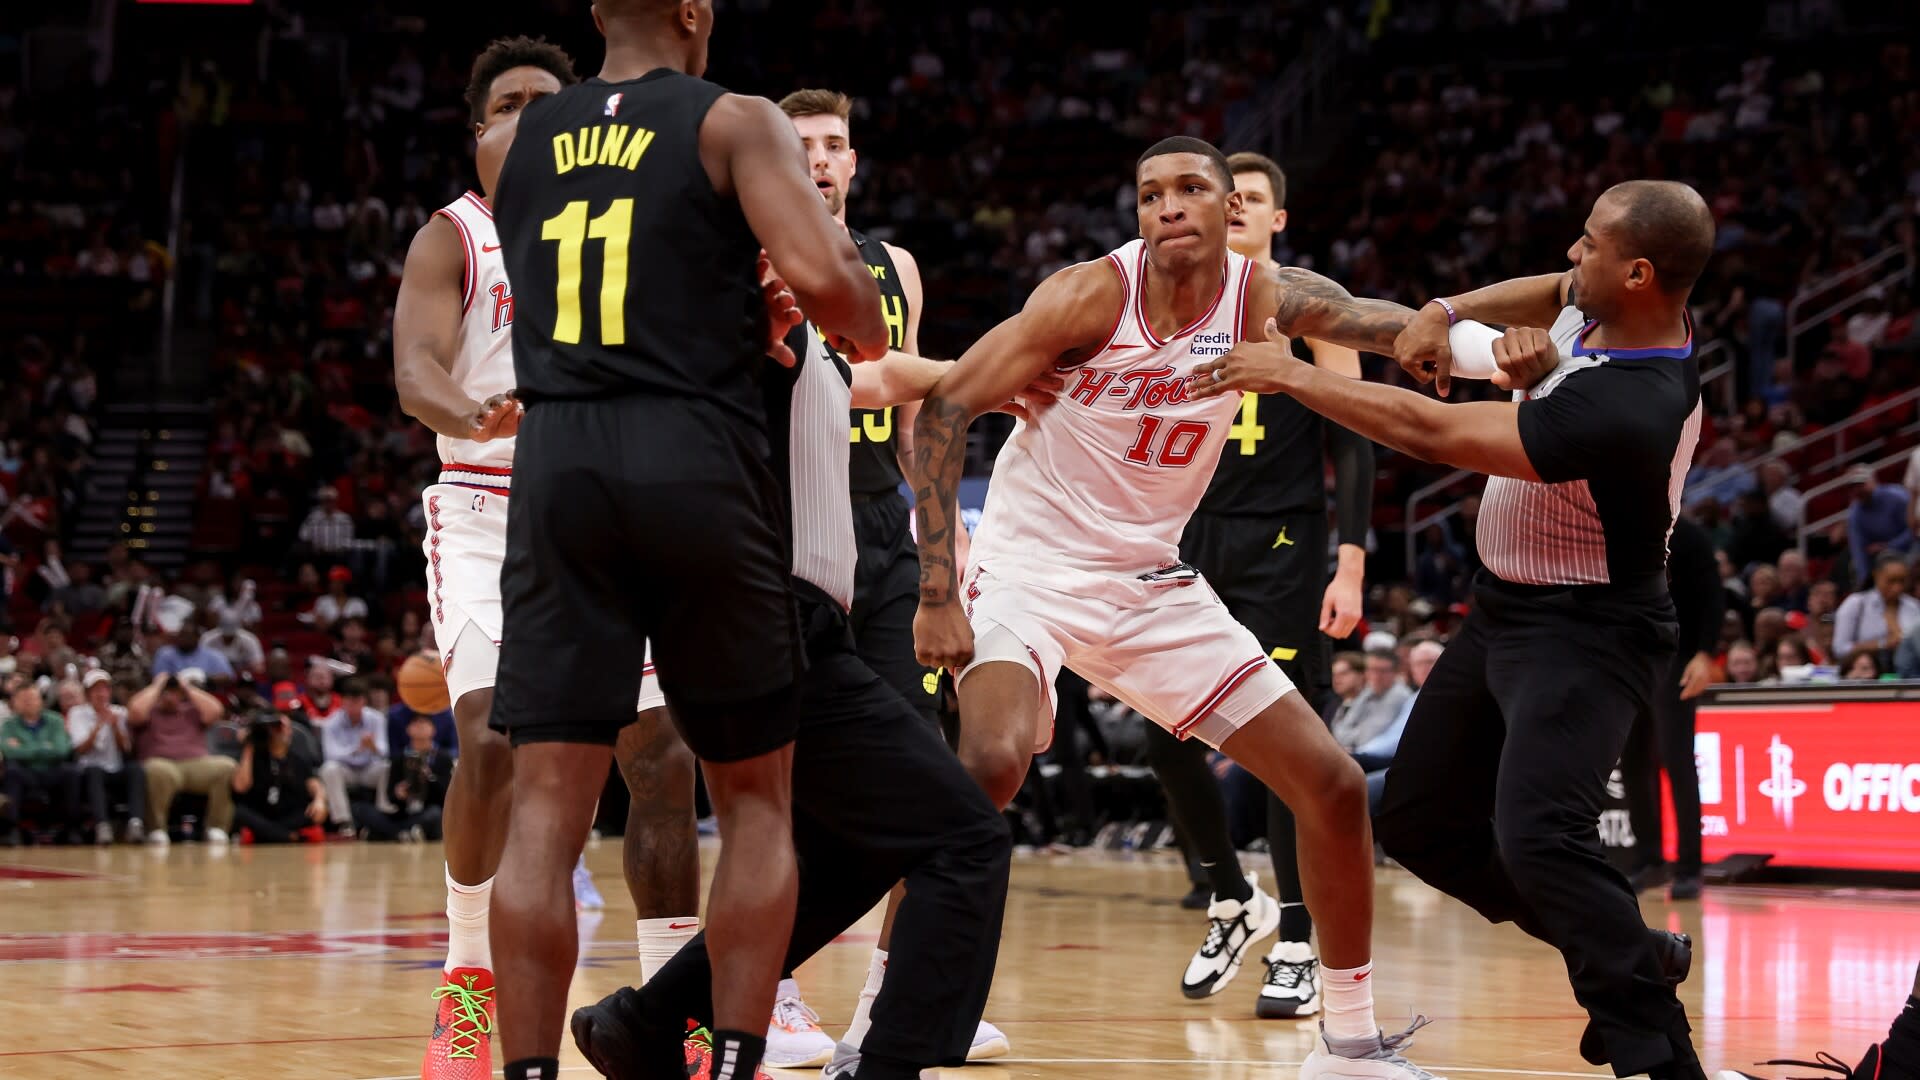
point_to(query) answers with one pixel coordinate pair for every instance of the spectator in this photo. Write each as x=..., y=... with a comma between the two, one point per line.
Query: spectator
x=1743, y=664
x=1784, y=501
x=39, y=764
x=1376, y=754
x=1861, y=665
x=1792, y=569
x=103, y=748
x=1906, y=658
x=278, y=797
x=123, y=656
x=328, y=529
x=355, y=740
x=1911, y=482
x=240, y=646
x=1349, y=678
x=48, y=650
x=420, y=771
x=1376, y=707
x=244, y=608
x=189, y=651
x=319, y=700
x=1876, y=522
x=1879, y=617
x=81, y=597
x=350, y=647
x=172, y=715
x=1754, y=537
x=1791, y=661
x=335, y=605
x=1763, y=588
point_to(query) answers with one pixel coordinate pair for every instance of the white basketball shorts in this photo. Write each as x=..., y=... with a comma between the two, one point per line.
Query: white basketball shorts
x=1170, y=651
x=466, y=543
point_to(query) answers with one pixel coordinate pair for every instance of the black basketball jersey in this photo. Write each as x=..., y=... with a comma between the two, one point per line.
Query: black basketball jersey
x=631, y=275
x=1275, y=457
x=874, y=467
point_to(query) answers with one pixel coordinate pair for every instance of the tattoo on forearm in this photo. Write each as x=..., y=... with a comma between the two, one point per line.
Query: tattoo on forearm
x=939, y=451
x=1313, y=306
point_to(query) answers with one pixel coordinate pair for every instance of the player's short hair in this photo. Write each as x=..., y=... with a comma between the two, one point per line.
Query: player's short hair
x=1246, y=161
x=1185, y=144
x=503, y=55
x=815, y=101
x=1668, y=224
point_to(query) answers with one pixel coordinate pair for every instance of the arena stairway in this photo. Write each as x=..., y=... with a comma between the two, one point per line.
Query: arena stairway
x=147, y=461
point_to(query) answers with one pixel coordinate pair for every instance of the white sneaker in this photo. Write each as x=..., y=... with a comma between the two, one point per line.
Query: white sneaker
x=216, y=837
x=1376, y=1058
x=794, y=1038
x=1291, y=989
x=846, y=1062
x=1233, y=929
x=136, y=831
x=103, y=833
x=988, y=1042
x=158, y=838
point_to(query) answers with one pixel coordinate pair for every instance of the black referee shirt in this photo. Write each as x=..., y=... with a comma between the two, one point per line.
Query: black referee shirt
x=1611, y=435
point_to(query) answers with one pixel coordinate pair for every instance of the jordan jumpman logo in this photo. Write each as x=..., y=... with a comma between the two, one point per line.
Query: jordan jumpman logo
x=1282, y=539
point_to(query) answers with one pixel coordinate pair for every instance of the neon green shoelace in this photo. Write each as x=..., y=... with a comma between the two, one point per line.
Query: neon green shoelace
x=470, y=1019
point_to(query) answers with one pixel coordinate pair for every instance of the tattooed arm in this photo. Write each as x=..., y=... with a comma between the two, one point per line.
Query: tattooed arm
x=1068, y=317
x=1308, y=305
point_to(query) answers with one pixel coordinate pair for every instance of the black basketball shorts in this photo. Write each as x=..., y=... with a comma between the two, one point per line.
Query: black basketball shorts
x=1271, y=570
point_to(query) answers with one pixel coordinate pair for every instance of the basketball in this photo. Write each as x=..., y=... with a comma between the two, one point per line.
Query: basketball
x=421, y=686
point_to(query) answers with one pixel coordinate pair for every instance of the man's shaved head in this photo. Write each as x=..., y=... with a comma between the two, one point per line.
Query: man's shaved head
x=1668, y=224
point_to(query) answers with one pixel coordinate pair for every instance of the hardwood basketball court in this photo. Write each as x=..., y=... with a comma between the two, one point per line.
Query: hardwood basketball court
x=317, y=962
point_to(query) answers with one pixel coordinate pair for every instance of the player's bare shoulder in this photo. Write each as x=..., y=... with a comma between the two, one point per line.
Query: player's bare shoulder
x=1077, y=307
x=436, y=253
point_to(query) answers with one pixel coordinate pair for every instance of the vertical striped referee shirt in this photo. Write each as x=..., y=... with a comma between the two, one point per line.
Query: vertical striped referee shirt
x=1611, y=435
x=807, y=427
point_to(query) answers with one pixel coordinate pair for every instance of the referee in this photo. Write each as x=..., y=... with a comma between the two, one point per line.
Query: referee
x=631, y=213
x=1499, y=780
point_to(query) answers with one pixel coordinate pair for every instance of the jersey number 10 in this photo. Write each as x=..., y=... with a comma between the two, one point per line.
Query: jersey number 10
x=571, y=229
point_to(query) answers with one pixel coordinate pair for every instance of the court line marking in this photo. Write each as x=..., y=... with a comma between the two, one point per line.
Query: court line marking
x=1197, y=1062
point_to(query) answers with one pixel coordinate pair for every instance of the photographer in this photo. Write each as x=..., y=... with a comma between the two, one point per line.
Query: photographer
x=421, y=771
x=277, y=794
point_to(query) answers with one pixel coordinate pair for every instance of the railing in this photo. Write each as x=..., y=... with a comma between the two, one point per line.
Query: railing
x=1866, y=273
x=1296, y=103
x=1720, y=376
x=1809, y=528
x=1838, y=433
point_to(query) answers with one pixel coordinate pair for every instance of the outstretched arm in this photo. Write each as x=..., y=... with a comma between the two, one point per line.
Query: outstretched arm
x=1309, y=305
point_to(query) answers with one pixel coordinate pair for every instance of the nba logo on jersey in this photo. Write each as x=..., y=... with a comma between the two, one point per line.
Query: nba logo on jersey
x=613, y=103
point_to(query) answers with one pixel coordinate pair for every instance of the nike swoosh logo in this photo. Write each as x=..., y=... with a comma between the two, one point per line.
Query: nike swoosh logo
x=489, y=248
x=1117, y=348
x=682, y=925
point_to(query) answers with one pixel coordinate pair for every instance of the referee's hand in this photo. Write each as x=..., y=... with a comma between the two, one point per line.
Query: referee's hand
x=783, y=312
x=1524, y=354
x=1423, y=349
x=942, y=636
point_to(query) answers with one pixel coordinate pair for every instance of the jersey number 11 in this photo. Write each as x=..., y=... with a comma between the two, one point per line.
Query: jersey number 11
x=571, y=229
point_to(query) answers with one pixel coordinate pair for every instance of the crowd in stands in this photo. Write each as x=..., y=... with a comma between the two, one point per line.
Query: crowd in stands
x=996, y=143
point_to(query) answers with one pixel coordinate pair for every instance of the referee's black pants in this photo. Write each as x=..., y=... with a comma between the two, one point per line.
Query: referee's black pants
x=878, y=798
x=1495, y=795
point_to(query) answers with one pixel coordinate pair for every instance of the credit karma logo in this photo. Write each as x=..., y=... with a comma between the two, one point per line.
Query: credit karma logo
x=1782, y=786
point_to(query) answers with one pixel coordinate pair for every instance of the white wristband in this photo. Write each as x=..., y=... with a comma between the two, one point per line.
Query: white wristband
x=1472, y=345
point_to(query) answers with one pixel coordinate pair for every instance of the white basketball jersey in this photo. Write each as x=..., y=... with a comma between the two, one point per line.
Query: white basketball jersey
x=483, y=354
x=1102, y=484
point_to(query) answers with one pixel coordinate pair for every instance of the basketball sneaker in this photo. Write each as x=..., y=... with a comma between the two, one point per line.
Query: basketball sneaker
x=1233, y=928
x=1675, y=952
x=1377, y=1057
x=794, y=1038
x=585, y=896
x=1870, y=1068
x=1291, y=989
x=988, y=1042
x=699, y=1049
x=462, y=1043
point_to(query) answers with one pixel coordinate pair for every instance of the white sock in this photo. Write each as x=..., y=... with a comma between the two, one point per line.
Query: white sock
x=863, y=1011
x=467, y=943
x=1349, y=1002
x=659, y=939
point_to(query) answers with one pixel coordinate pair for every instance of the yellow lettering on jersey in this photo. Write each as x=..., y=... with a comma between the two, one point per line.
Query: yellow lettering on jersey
x=1247, y=429
x=610, y=146
x=894, y=310
x=879, y=272
x=642, y=138
x=877, y=426
x=589, y=145
x=1282, y=653
x=563, y=158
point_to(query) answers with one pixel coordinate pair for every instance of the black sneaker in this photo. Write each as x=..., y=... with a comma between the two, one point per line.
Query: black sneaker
x=1197, y=899
x=1676, y=963
x=1868, y=1069
x=1686, y=887
x=619, y=1039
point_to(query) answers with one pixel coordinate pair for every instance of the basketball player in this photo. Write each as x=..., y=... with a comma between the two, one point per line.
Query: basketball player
x=1503, y=767
x=453, y=369
x=1260, y=539
x=647, y=509
x=1076, y=560
x=914, y=812
x=886, y=581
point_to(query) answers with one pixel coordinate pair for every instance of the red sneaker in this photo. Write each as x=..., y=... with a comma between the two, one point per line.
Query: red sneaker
x=462, y=1043
x=700, y=1055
